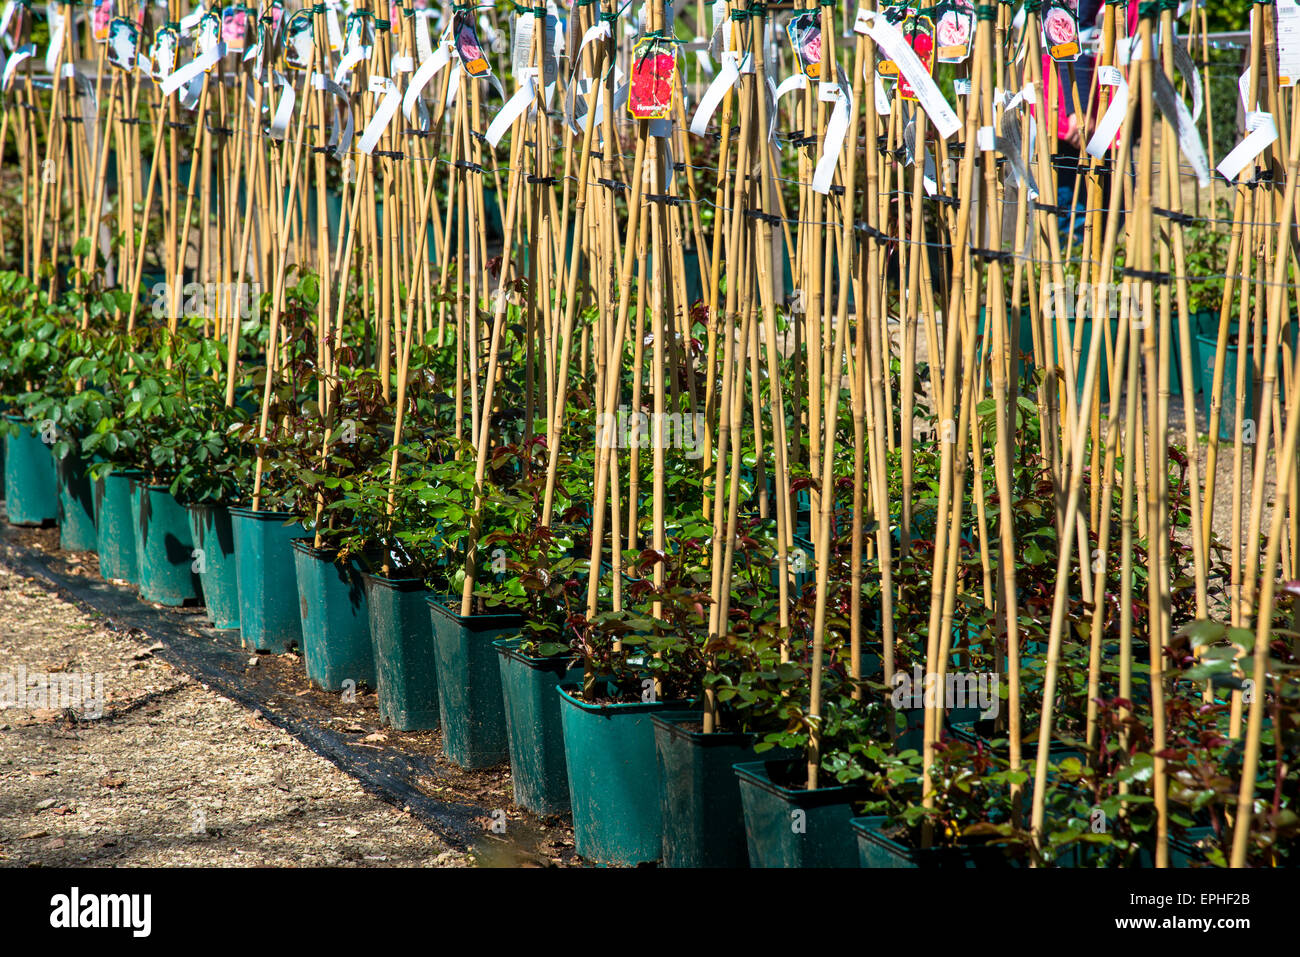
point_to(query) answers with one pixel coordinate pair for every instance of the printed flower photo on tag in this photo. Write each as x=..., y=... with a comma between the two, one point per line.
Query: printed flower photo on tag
x=123, y=38
x=299, y=36
x=654, y=73
x=166, y=41
x=805, y=33
x=1061, y=30
x=955, y=30
x=234, y=27
x=101, y=17
x=209, y=33
x=470, y=51
x=919, y=33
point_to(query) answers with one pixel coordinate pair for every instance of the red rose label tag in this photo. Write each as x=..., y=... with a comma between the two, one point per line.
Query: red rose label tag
x=654, y=76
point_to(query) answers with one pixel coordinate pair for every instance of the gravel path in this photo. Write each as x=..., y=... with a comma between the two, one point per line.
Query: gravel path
x=172, y=773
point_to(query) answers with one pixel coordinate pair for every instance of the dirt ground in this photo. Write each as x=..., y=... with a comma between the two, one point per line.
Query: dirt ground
x=172, y=773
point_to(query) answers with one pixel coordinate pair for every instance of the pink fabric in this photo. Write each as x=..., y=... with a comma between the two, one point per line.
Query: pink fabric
x=1062, y=118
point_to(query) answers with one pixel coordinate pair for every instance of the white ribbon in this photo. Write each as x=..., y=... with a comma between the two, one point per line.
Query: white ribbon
x=5, y=17
x=453, y=83
x=1183, y=63
x=339, y=143
x=423, y=41
x=835, y=133
x=384, y=87
x=796, y=81
x=1263, y=132
x=1189, y=138
x=284, y=109
x=900, y=51
x=1113, y=118
x=191, y=70
x=333, y=29
x=350, y=59
x=516, y=105
x=723, y=82
x=21, y=54
x=620, y=101
x=255, y=48
x=1243, y=87
x=883, y=105
x=190, y=95
x=601, y=29
x=423, y=75
x=60, y=25
x=188, y=23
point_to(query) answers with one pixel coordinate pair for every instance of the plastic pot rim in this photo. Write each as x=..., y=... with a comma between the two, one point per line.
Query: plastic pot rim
x=629, y=707
x=489, y=621
x=757, y=773
x=672, y=721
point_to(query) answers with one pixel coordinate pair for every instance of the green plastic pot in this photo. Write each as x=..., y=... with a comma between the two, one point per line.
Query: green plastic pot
x=469, y=682
x=335, y=621
x=115, y=531
x=533, y=729
x=163, y=546
x=401, y=637
x=1024, y=343
x=613, y=778
x=1103, y=361
x=267, y=579
x=31, y=489
x=214, y=546
x=703, y=822
x=76, y=505
x=1205, y=352
x=1184, y=851
x=877, y=850
x=792, y=826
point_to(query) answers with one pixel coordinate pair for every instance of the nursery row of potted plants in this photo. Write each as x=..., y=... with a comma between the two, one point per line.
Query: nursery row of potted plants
x=641, y=779
x=661, y=744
